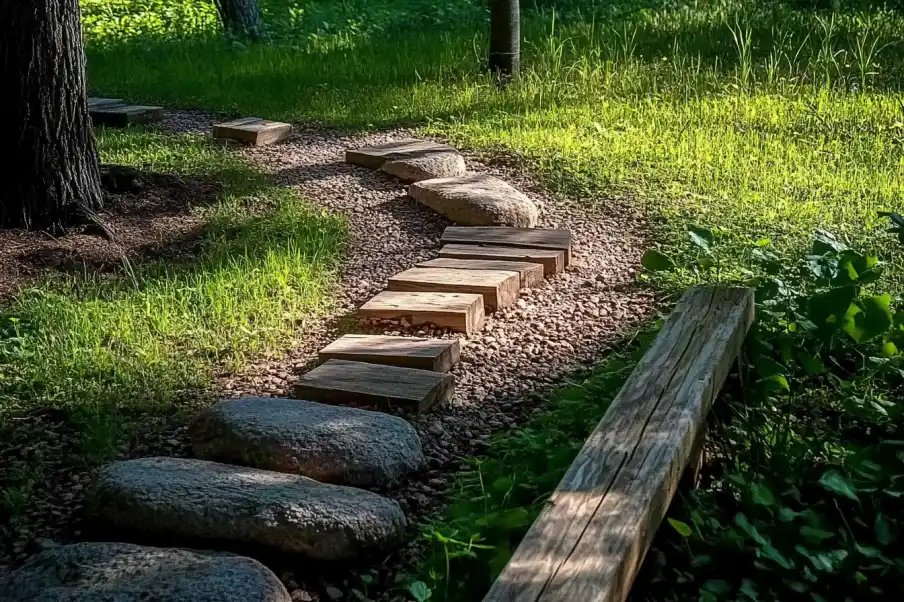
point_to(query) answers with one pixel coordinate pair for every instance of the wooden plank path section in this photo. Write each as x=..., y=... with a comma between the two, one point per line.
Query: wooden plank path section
x=341, y=382
x=552, y=261
x=456, y=311
x=591, y=538
x=253, y=130
x=499, y=288
x=438, y=355
x=531, y=273
x=535, y=238
x=118, y=113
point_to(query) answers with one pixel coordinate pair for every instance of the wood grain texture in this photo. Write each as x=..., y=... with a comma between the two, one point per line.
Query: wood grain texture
x=348, y=383
x=438, y=355
x=595, y=530
x=122, y=115
x=531, y=273
x=536, y=238
x=552, y=261
x=253, y=130
x=457, y=311
x=499, y=288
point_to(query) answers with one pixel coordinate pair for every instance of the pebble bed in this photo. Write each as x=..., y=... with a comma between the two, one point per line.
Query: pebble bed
x=554, y=330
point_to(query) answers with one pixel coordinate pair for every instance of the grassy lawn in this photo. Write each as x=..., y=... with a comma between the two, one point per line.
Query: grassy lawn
x=760, y=121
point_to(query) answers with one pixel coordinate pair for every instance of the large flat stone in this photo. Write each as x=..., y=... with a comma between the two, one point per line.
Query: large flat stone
x=328, y=443
x=121, y=572
x=476, y=200
x=407, y=148
x=197, y=499
x=426, y=166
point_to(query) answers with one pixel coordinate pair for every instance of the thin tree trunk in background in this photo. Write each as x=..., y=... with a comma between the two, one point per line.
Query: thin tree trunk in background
x=50, y=171
x=241, y=18
x=505, y=38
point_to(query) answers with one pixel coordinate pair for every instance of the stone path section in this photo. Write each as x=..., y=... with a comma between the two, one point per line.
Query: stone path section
x=529, y=274
x=476, y=200
x=552, y=261
x=92, y=572
x=327, y=443
x=197, y=500
x=438, y=355
x=253, y=131
x=499, y=288
x=458, y=312
x=116, y=112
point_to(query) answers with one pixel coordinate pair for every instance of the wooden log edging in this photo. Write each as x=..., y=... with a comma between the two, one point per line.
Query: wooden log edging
x=589, y=542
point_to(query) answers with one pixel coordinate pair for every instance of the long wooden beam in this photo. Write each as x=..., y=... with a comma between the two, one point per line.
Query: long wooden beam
x=590, y=540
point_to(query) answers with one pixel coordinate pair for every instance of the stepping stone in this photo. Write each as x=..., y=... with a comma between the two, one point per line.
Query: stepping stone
x=253, y=130
x=534, y=238
x=341, y=382
x=456, y=311
x=94, y=572
x=116, y=113
x=553, y=261
x=438, y=355
x=531, y=273
x=408, y=148
x=499, y=288
x=476, y=200
x=427, y=166
x=194, y=500
x=328, y=443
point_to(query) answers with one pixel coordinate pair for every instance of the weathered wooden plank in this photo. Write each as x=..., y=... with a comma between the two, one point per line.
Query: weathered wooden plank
x=122, y=115
x=375, y=156
x=531, y=273
x=595, y=530
x=457, y=311
x=253, y=130
x=552, y=261
x=341, y=382
x=438, y=355
x=535, y=238
x=96, y=103
x=499, y=288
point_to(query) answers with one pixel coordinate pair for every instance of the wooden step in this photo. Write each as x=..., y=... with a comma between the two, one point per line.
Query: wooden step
x=253, y=130
x=342, y=382
x=116, y=113
x=534, y=238
x=438, y=355
x=531, y=273
x=552, y=261
x=457, y=311
x=499, y=288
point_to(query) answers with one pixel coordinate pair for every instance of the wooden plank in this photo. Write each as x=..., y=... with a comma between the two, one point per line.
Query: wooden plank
x=123, y=115
x=341, y=382
x=534, y=238
x=531, y=273
x=438, y=355
x=457, y=311
x=591, y=538
x=552, y=261
x=253, y=130
x=499, y=288
x=375, y=156
x=96, y=103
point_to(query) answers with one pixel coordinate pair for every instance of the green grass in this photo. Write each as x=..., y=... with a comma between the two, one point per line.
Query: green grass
x=121, y=353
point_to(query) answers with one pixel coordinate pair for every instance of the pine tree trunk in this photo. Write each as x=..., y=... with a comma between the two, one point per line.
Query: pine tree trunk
x=505, y=38
x=241, y=18
x=50, y=168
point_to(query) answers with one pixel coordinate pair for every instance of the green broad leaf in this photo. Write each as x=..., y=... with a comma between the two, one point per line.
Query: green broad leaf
x=869, y=551
x=749, y=529
x=762, y=495
x=683, y=529
x=513, y=518
x=699, y=242
x=763, y=242
x=706, y=263
x=717, y=587
x=776, y=382
x=874, y=319
x=748, y=588
x=704, y=233
x=831, y=306
x=812, y=364
x=882, y=530
x=836, y=482
x=419, y=591
x=786, y=515
x=502, y=484
x=766, y=366
x=771, y=553
x=656, y=261
x=826, y=242
x=814, y=534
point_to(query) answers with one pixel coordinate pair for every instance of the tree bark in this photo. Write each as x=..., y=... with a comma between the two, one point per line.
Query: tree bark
x=505, y=38
x=50, y=172
x=241, y=18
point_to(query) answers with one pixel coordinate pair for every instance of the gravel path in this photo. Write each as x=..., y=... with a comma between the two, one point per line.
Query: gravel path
x=553, y=331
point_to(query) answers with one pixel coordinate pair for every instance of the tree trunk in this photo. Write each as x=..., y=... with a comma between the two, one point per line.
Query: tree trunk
x=505, y=38
x=50, y=170
x=241, y=18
